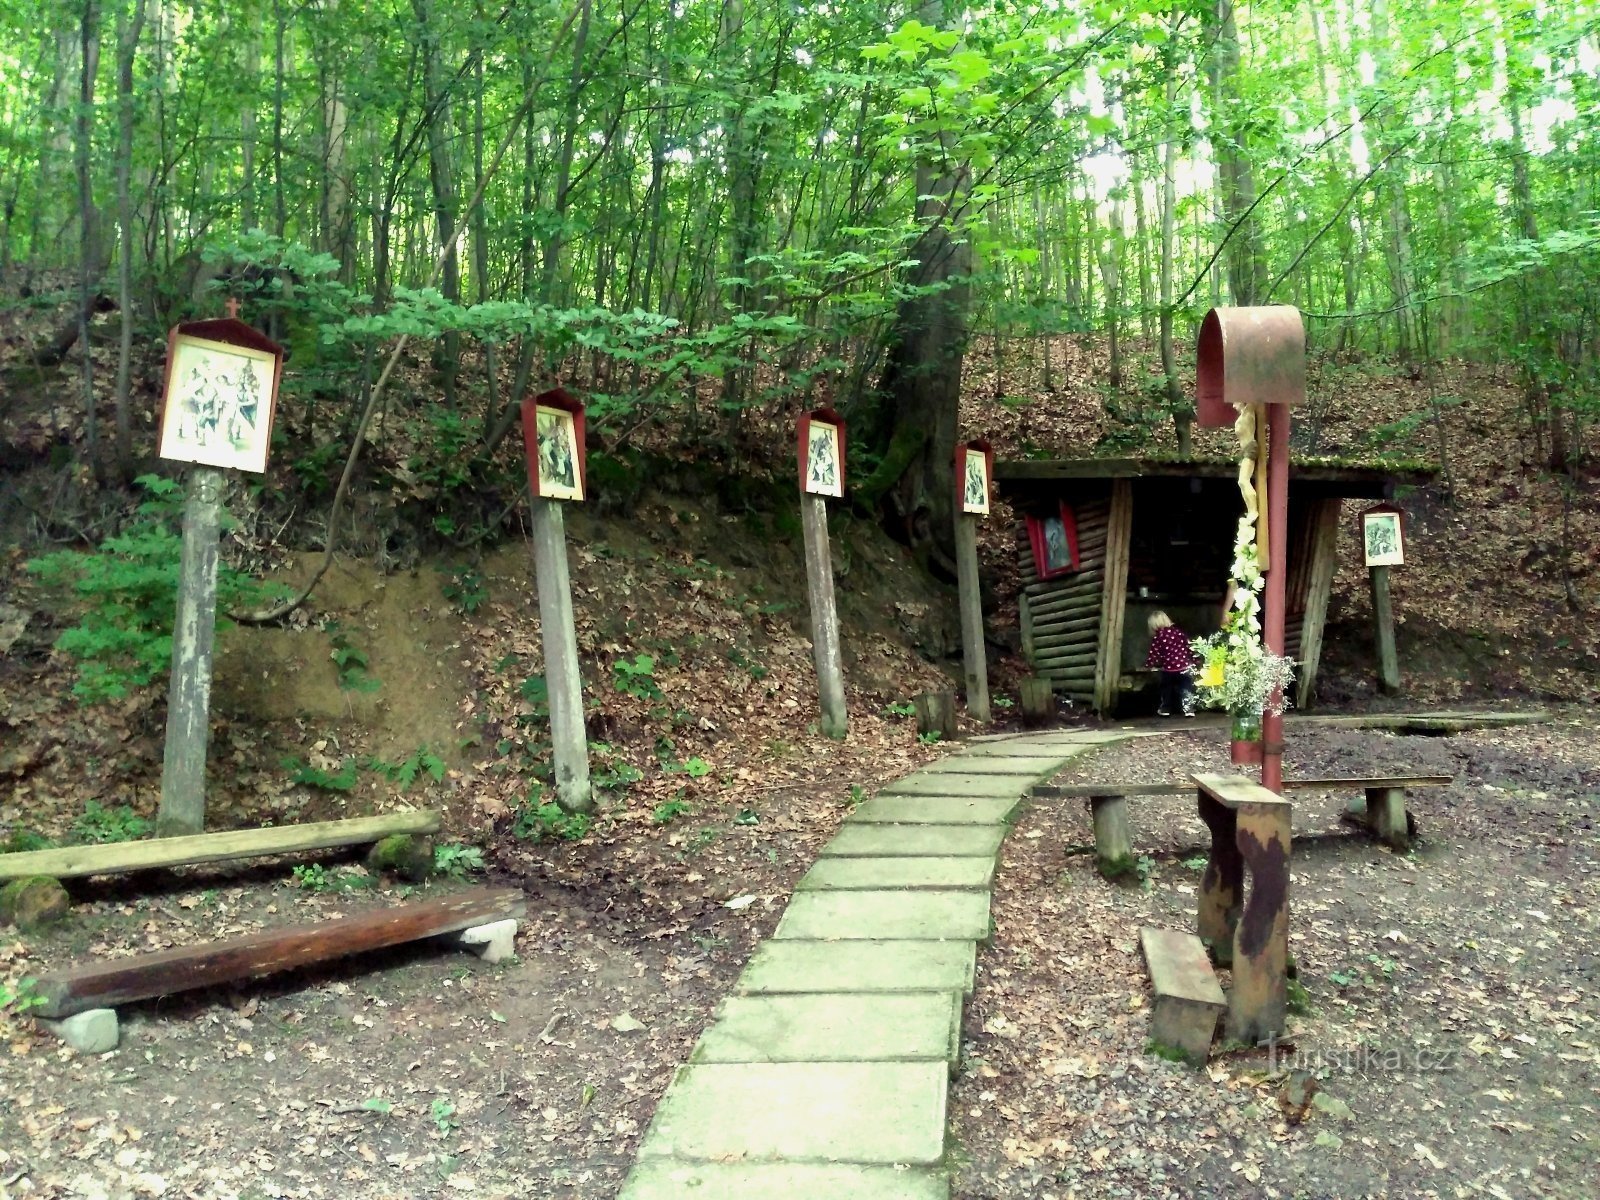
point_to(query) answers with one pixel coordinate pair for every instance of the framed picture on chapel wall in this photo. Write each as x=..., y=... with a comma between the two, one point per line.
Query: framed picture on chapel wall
x=1054, y=539
x=221, y=389
x=553, y=436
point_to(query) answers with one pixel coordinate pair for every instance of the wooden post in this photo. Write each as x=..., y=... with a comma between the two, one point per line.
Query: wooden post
x=1324, y=564
x=1386, y=814
x=1383, y=629
x=1222, y=885
x=1258, y=1001
x=568, y=737
x=183, y=768
x=936, y=713
x=1038, y=700
x=1113, y=597
x=1113, y=843
x=824, y=616
x=972, y=647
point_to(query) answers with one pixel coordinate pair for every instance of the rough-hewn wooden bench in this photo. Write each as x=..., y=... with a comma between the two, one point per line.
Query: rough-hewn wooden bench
x=1189, y=1001
x=1108, y=802
x=67, y=862
x=1249, y=831
x=477, y=916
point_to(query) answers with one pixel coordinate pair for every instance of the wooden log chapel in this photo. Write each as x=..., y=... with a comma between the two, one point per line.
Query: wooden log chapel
x=1104, y=542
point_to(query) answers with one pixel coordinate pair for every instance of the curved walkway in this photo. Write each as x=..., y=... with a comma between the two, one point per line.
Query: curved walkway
x=825, y=1073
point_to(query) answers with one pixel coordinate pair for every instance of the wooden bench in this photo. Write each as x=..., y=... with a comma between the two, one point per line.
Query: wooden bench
x=66, y=862
x=110, y=982
x=1189, y=1000
x=1108, y=802
x=1249, y=832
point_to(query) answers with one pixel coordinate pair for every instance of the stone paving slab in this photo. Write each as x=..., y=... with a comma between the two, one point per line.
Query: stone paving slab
x=995, y=764
x=882, y=840
x=936, y=810
x=885, y=915
x=951, y=783
x=855, y=874
x=667, y=1179
x=889, y=966
x=836, y=1027
x=887, y=1112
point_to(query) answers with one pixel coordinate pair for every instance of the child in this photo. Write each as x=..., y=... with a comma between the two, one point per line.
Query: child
x=1170, y=654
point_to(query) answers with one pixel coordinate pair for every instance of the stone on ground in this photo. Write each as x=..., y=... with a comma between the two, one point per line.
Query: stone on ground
x=994, y=764
x=93, y=1031
x=665, y=1179
x=953, y=783
x=879, y=1027
x=494, y=941
x=875, y=840
x=884, y=915
x=855, y=874
x=882, y=1112
x=33, y=902
x=937, y=810
x=887, y=966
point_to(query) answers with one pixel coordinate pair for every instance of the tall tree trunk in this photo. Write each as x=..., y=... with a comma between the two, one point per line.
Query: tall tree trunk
x=88, y=250
x=1177, y=404
x=1109, y=251
x=441, y=173
x=922, y=375
x=247, y=123
x=1247, y=269
x=336, y=227
x=128, y=31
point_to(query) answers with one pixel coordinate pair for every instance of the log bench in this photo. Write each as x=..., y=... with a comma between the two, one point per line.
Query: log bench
x=481, y=919
x=1249, y=832
x=114, y=858
x=1189, y=1001
x=1108, y=802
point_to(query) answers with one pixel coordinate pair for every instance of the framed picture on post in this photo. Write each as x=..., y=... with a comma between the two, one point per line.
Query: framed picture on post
x=220, y=393
x=553, y=439
x=1383, y=536
x=821, y=453
x=974, y=477
x=1054, y=539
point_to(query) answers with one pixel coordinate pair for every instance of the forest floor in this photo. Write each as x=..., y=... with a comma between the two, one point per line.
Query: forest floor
x=1454, y=1016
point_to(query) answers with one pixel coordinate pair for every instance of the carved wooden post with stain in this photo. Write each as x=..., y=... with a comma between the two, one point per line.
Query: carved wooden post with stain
x=974, y=471
x=217, y=406
x=821, y=459
x=1250, y=833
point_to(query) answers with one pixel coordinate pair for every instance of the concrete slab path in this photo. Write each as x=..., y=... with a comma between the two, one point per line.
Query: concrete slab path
x=825, y=1074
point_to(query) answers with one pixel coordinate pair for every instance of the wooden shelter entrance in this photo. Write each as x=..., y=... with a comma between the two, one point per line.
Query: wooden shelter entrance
x=1103, y=543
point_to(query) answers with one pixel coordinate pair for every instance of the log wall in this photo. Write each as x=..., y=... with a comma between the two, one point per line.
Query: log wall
x=1061, y=616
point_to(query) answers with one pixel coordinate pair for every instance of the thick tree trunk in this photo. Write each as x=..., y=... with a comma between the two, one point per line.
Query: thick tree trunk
x=441, y=172
x=1247, y=278
x=1177, y=404
x=89, y=257
x=128, y=31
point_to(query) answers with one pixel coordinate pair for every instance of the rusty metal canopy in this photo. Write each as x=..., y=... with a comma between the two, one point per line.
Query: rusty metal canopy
x=1248, y=356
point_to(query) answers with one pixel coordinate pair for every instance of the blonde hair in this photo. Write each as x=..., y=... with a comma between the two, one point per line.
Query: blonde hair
x=1159, y=620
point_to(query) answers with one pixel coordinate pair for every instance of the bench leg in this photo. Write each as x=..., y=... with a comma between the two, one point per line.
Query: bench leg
x=1386, y=813
x=1221, y=887
x=1113, y=844
x=1258, y=1001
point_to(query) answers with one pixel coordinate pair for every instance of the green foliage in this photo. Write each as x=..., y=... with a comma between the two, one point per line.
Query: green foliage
x=314, y=877
x=670, y=810
x=128, y=589
x=456, y=861
x=546, y=821
x=99, y=824
x=443, y=1114
x=21, y=841
x=21, y=999
x=420, y=761
x=342, y=780
x=900, y=708
x=930, y=738
x=466, y=589
x=636, y=677
x=350, y=661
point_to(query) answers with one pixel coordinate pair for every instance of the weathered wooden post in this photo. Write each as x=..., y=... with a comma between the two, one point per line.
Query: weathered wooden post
x=217, y=406
x=974, y=471
x=1383, y=544
x=821, y=456
x=1256, y=358
x=553, y=439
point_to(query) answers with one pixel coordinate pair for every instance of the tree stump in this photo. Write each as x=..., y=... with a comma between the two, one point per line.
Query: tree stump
x=34, y=902
x=936, y=713
x=1038, y=700
x=407, y=855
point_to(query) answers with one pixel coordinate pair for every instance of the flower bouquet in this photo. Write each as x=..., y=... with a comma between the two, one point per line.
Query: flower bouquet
x=1236, y=673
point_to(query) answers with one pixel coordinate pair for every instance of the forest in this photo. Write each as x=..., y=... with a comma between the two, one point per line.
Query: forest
x=709, y=215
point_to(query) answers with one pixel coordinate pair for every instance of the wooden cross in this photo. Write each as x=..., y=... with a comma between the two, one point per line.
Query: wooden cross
x=233, y=308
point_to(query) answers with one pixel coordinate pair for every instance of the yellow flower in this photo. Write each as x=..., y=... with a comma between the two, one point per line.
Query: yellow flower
x=1211, y=675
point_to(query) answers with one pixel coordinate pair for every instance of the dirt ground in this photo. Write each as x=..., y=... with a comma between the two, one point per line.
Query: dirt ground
x=1454, y=1019
x=413, y=1073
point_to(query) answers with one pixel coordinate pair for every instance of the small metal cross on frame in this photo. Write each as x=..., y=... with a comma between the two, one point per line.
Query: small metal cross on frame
x=233, y=308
